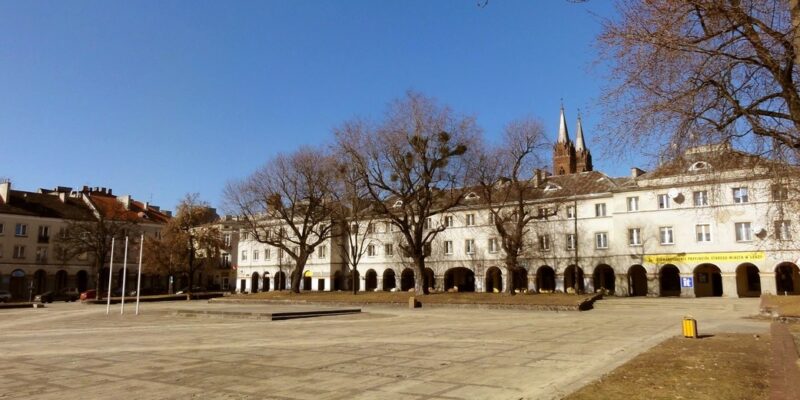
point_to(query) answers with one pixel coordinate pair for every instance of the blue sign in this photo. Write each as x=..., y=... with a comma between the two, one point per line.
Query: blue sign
x=687, y=281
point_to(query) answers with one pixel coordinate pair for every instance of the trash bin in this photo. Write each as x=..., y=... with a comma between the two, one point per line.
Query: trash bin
x=689, y=327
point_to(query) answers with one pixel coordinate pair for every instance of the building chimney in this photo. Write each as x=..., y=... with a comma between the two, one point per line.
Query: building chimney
x=109, y=192
x=62, y=196
x=538, y=177
x=636, y=172
x=146, y=205
x=5, y=191
x=125, y=200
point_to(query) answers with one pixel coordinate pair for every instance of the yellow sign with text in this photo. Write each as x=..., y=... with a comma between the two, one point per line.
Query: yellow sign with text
x=741, y=256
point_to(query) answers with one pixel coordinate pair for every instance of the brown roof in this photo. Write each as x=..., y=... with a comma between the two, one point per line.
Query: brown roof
x=722, y=160
x=112, y=208
x=45, y=205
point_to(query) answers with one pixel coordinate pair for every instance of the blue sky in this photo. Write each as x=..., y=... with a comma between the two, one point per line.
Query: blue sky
x=159, y=99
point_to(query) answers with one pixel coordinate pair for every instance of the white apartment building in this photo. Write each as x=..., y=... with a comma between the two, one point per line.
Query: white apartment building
x=714, y=222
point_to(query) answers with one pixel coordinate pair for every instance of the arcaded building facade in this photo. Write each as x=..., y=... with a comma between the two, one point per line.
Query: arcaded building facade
x=711, y=222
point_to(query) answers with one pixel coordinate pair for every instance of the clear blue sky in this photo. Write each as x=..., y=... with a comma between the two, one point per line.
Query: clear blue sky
x=161, y=98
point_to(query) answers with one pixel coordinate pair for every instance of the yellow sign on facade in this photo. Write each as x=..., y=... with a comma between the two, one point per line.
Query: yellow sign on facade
x=694, y=258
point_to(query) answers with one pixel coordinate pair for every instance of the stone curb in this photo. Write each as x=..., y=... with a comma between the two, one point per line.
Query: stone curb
x=584, y=306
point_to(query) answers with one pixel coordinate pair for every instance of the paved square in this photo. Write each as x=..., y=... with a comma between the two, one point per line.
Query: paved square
x=76, y=351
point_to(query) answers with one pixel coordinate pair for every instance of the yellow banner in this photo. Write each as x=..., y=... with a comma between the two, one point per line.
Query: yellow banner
x=742, y=256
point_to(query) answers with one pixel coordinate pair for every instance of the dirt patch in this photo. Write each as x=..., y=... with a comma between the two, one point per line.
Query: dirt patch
x=724, y=366
x=498, y=299
x=781, y=306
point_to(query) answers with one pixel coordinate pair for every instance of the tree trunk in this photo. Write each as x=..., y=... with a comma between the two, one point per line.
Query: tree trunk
x=355, y=282
x=511, y=268
x=794, y=7
x=420, y=284
x=297, y=276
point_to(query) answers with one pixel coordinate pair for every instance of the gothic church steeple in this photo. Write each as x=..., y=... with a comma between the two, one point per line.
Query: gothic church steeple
x=569, y=158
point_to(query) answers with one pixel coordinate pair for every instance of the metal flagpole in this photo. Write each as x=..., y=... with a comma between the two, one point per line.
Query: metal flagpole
x=139, y=280
x=124, y=276
x=110, y=275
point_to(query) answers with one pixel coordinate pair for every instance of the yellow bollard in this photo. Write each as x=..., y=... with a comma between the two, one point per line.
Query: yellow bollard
x=689, y=327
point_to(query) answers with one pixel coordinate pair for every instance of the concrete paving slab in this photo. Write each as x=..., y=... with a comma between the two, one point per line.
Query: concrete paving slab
x=382, y=353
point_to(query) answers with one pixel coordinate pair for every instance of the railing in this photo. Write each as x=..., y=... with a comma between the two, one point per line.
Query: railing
x=44, y=239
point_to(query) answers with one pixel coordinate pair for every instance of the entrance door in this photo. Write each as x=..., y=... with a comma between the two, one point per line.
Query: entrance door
x=242, y=285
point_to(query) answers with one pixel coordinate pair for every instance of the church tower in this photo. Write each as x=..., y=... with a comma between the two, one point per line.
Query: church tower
x=583, y=157
x=569, y=158
x=563, y=151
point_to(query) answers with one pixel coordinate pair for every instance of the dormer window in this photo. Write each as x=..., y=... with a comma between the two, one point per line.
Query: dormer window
x=471, y=196
x=398, y=204
x=699, y=166
x=551, y=187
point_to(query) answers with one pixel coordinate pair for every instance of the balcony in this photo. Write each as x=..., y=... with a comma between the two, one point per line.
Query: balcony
x=43, y=239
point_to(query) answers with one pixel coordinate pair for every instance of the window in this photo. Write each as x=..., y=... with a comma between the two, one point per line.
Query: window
x=470, y=219
x=493, y=245
x=740, y=195
x=663, y=201
x=665, y=234
x=542, y=212
x=600, y=210
x=255, y=254
x=469, y=246
x=280, y=254
x=388, y=249
x=322, y=251
x=701, y=198
x=427, y=247
x=779, y=193
x=427, y=223
x=21, y=230
x=41, y=254
x=244, y=235
x=491, y=218
x=448, y=221
x=544, y=242
x=570, y=241
x=244, y=255
x=703, y=233
x=633, y=204
x=370, y=228
x=783, y=230
x=267, y=253
x=601, y=240
x=1, y=251
x=371, y=250
x=44, y=232
x=1, y=229
x=743, y=232
x=571, y=212
x=635, y=236
x=19, y=252
x=226, y=238
x=448, y=247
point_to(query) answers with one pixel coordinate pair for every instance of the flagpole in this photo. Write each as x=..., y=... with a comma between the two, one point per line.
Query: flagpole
x=110, y=275
x=139, y=280
x=124, y=276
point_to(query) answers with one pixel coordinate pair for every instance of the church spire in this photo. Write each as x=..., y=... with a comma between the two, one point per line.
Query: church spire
x=579, y=146
x=563, y=135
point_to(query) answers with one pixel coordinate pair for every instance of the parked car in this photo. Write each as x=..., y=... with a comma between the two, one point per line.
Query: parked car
x=46, y=297
x=89, y=294
x=5, y=296
x=69, y=294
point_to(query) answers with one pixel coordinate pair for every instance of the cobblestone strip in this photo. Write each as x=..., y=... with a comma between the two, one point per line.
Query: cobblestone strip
x=785, y=382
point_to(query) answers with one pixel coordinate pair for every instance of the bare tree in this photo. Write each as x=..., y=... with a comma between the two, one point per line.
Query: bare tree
x=413, y=166
x=701, y=71
x=503, y=176
x=189, y=243
x=289, y=204
x=354, y=216
x=93, y=237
